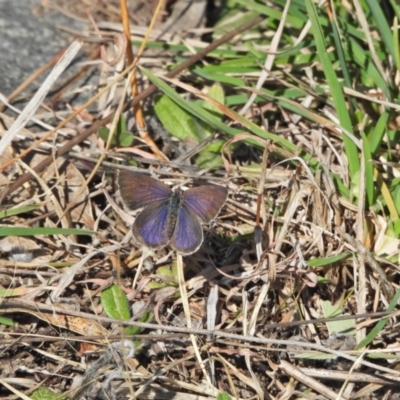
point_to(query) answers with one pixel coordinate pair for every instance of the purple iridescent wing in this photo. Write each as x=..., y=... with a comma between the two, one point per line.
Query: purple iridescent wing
x=188, y=234
x=151, y=225
x=205, y=201
x=139, y=190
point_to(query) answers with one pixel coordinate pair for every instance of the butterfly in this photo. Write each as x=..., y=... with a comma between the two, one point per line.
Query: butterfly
x=169, y=217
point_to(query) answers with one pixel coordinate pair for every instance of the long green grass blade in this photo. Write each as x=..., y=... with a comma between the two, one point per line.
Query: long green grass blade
x=335, y=89
x=381, y=24
x=20, y=231
x=369, y=173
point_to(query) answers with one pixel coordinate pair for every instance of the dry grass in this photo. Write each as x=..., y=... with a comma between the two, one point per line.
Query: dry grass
x=293, y=293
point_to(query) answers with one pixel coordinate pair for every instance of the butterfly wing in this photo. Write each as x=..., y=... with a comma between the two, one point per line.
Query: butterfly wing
x=139, y=190
x=205, y=201
x=188, y=234
x=151, y=225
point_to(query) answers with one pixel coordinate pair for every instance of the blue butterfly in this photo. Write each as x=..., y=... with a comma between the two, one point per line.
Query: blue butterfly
x=169, y=217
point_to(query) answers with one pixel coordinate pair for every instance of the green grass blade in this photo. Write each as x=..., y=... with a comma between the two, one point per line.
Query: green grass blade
x=380, y=325
x=342, y=60
x=19, y=210
x=20, y=231
x=381, y=24
x=335, y=88
x=319, y=262
x=297, y=22
x=396, y=45
x=376, y=136
x=369, y=173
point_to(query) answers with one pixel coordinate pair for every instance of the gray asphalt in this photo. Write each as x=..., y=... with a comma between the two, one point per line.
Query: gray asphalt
x=27, y=41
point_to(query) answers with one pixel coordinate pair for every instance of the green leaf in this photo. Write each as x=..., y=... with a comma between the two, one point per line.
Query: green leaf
x=104, y=133
x=122, y=137
x=46, y=394
x=238, y=18
x=396, y=198
x=6, y=321
x=115, y=303
x=125, y=139
x=208, y=159
x=165, y=271
x=156, y=285
x=355, y=185
x=216, y=92
x=217, y=53
x=177, y=121
x=345, y=326
x=394, y=228
x=396, y=41
x=134, y=330
x=169, y=277
x=343, y=190
x=192, y=108
x=223, y=396
x=17, y=231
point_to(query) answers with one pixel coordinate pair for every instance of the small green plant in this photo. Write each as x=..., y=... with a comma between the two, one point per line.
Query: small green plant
x=223, y=396
x=47, y=394
x=115, y=304
x=167, y=278
x=121, y=138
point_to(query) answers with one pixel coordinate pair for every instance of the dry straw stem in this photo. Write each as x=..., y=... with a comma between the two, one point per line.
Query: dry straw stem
x=310, y=382
x=37, y=99
x=354, y=377
x=13, y=390
x=138, y=112
x=357, y=247
x=186, y=308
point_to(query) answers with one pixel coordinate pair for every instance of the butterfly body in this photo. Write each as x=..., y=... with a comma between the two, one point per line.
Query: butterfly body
x=169, y=217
